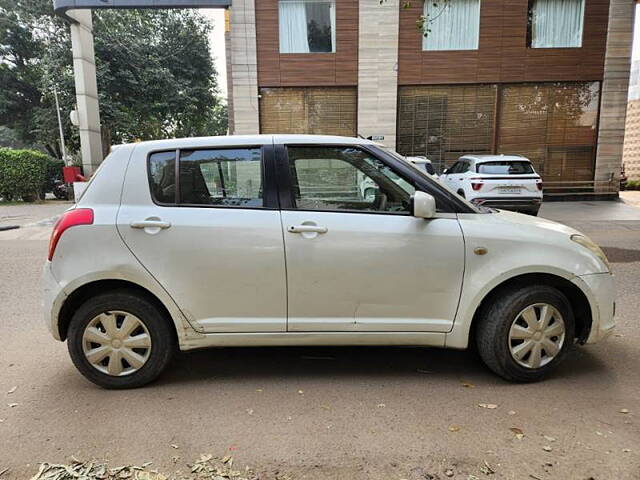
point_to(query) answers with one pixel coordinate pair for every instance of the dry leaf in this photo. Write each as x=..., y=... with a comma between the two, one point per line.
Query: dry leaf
x=301, y=392
x=448, y=472
x=486, y=469
x=490, y=406
x=624, y=410
x=468, y=385
x=548, y=438
x=11, y=405
x=250, y=411
x=626, y=450
x=511, y=412
x=173, y=445
x=454, y=428
x=381, y=405
x=547, y=448
x=13, y=389
x=517, y=432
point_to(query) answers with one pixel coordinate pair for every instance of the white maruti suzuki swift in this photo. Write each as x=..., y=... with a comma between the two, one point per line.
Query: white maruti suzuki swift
x=269, y=240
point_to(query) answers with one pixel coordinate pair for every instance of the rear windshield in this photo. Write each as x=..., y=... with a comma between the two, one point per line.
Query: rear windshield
x=505, y=167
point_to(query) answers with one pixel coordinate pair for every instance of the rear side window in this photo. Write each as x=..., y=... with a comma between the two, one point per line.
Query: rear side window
x=505, y=167
x=162, y=172
x=215, y=177
x=226, y=177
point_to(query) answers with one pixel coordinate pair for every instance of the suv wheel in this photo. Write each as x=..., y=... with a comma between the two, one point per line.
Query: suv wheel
x=525, y=332
x=120, y=340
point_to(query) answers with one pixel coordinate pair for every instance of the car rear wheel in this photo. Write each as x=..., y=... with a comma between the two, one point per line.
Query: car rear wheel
x=525, y=332
x=120, y=340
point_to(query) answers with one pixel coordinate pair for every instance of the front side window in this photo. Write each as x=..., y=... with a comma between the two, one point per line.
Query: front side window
x=346, y=178
x=505, y=167
x=556, y=23
x=222, y=177
x=307, y=26
x=452, y=25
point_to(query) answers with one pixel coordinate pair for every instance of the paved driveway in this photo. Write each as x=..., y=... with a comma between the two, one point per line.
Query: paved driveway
x=328, y=413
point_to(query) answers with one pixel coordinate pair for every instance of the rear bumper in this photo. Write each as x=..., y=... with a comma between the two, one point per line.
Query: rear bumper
x=528, y=204
x=52, y=299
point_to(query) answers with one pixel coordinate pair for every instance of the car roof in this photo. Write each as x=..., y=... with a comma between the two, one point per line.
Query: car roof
x=231, y=140
x=481, y=158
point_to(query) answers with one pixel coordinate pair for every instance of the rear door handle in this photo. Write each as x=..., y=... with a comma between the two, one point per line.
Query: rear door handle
x=307, y=229
x=150, y=224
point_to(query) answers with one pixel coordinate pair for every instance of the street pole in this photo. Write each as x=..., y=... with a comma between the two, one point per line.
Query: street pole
x=62, y=147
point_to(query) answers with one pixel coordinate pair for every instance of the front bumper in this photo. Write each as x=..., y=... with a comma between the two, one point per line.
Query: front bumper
x=518, y=204
x=52, y=299
x=601, y=292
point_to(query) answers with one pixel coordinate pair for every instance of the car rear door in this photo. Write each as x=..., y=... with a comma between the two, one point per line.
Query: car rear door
x=213, y=240
x=363, y=263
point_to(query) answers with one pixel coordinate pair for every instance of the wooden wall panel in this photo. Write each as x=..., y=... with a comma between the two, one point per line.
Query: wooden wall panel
x=503, y=55
x=311, y=69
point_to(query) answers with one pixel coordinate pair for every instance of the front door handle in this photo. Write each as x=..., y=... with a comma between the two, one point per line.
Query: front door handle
x=150, y=224
x=307, y=229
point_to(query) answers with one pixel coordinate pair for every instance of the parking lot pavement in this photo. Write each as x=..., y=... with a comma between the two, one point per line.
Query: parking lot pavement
x=330, y=413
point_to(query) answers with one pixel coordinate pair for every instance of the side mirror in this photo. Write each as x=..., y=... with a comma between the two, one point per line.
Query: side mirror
x=424, y=205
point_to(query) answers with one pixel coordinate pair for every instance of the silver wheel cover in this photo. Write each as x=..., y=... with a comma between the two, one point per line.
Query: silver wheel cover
x=116, y=343
x=537, y=335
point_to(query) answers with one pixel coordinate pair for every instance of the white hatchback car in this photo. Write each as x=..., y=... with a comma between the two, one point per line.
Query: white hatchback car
x=503, y=181
x=268, y=240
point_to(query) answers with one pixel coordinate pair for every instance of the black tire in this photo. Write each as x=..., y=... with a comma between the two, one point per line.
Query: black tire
x=496, y=318
x=160, y=328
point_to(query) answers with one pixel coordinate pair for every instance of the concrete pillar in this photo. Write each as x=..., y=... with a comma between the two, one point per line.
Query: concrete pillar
x=613, y=102
x=84, y=68
x=378, y=69
x=243, y=95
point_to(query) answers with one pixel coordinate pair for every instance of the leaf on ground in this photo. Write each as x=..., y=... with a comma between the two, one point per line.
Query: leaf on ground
x=626, y=450
x=467, y=385
x=511, y=412
x=490, y=406
x=547, y=448
x=300, y=392
x=250, y=411
x=624, y=410
x=12, y=405
x=486, y=468
x=381, y=405
x=517, y=432
x=11, y=390
x=548, y=438
x=173, y=445
x=454, y=428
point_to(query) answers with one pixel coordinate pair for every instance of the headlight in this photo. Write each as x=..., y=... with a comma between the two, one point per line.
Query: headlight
x=595, y=249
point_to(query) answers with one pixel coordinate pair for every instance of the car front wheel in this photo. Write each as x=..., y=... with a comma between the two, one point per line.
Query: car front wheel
x=120, y=340
x=525, y=332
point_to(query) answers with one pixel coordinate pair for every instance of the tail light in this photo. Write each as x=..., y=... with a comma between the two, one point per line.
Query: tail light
x=539, y=184
x=476, y=184
x=77, y=216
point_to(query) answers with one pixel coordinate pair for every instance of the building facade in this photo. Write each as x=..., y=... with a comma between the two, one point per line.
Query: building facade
x=631, y=154
x=546, y=79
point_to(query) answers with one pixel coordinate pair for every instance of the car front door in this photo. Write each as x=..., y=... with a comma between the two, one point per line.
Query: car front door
x=213, y=240
x=363, y=263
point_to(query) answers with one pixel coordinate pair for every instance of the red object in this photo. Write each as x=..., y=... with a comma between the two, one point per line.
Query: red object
x=72, y=174
x=77, y=216
x=539, y=185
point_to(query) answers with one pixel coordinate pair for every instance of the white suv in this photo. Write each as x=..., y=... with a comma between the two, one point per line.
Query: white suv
x=502, y=181
x=268, y=240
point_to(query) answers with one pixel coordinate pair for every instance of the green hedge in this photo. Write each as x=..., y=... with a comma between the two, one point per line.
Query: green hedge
x=23, y=174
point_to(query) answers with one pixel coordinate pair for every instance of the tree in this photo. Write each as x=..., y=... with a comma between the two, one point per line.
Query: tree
x=155, y=74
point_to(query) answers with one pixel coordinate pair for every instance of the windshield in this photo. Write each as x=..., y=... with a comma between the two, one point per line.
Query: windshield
x=505, y=167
